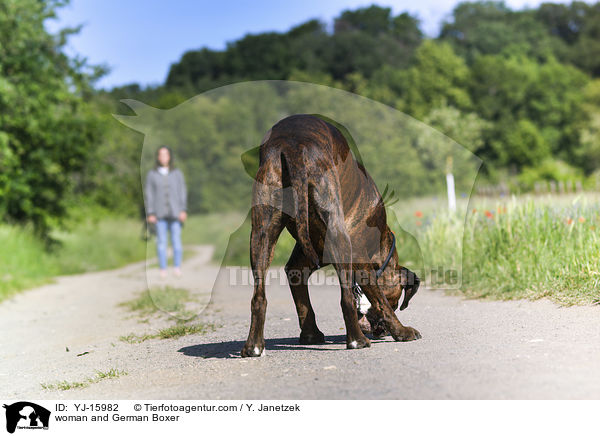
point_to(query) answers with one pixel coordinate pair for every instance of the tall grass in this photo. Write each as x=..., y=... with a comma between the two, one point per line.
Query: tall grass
x=532, y=250
x=518, y=248
x=23, y=261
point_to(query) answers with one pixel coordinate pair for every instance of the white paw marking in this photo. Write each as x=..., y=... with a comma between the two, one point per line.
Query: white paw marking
x=353, y=344
x=257, y=351
x=363, y=304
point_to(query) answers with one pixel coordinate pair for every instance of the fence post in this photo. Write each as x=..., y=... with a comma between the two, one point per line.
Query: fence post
x=450, y=185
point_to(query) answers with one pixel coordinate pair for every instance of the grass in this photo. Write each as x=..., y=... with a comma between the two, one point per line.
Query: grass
x=98, y=376
x=532, y=250
x=168, y=300
x=23, y=262
x=89, y=245
x=172, y=332
x=94, y=245
x=519, y=248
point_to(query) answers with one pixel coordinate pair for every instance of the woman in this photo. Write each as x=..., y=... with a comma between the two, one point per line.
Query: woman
x=166, y=206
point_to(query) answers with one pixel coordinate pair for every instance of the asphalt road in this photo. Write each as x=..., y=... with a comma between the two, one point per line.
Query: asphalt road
x=470, y=349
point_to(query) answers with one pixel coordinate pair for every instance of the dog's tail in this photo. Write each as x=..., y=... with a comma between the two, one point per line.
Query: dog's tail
x=299, y=180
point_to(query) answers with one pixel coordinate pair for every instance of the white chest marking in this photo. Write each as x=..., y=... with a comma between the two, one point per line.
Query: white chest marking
x=363, y=304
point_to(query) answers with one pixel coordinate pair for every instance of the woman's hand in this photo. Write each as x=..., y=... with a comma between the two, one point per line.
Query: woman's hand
x=182, y=216
x=151, y=219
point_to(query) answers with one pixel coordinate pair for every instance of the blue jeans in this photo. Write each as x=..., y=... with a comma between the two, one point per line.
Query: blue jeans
x=162, y=227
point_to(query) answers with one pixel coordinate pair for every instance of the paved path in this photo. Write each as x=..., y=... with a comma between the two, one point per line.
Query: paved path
x=470, y=349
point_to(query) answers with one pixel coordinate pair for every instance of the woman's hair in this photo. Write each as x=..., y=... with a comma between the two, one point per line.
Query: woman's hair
x=157, y=163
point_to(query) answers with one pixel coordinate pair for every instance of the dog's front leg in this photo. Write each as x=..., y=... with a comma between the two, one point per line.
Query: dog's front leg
x=341, y=253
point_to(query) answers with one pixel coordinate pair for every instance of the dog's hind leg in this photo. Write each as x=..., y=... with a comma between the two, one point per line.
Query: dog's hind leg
x=298, y=270
x=267, y=224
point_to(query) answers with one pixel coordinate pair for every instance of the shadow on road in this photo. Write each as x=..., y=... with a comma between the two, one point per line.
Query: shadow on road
x=231, y=349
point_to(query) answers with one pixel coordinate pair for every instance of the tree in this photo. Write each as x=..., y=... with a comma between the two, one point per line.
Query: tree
x=364, y=39
x=578, y=26
x=47, y=132
x=467, y=129
x=438, y=76
x=372, y=20
x=532, y=104
x=490, y=27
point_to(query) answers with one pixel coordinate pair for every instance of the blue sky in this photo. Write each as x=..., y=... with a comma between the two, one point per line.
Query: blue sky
x=140, y=39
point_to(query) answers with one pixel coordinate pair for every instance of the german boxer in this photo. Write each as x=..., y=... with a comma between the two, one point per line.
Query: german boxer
x=309, y=182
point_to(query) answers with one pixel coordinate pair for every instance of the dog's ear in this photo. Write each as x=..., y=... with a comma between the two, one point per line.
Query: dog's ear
x=410, y=284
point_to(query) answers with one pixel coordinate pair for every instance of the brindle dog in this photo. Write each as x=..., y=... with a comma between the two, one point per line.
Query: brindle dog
x=309, y=182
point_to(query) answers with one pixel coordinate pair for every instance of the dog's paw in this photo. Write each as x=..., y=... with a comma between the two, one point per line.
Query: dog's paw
x=407, y=334
x=358, y=343
x=311, y=338
x=252, y=350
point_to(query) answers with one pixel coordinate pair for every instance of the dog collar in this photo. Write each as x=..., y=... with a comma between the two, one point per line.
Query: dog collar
x=361, y=302
x=387, y=259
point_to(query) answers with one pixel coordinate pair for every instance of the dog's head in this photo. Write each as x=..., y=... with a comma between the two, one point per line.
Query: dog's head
x=402, y=281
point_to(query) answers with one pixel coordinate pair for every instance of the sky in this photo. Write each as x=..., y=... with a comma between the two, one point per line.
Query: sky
x=139, y=39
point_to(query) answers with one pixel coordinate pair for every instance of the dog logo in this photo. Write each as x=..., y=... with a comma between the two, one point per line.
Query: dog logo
x=25, y=415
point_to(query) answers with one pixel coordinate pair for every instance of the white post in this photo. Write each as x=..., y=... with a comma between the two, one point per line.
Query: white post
x=450, y=185
x=451, y=193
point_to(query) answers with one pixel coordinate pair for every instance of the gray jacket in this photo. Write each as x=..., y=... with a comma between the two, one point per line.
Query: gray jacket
x=165, y=195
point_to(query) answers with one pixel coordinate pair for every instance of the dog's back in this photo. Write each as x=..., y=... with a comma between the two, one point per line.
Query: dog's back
x=316, y=171
x=299, y=149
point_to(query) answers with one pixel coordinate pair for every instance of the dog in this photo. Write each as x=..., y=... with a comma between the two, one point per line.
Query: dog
x=309, y=182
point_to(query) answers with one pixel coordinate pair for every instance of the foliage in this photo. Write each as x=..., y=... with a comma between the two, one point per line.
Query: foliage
x=550, y=170
x=536, y=108
x=363, y=40
x=47, y=131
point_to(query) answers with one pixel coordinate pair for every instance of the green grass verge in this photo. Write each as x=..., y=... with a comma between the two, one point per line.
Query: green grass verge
x=89, y=245
x=99, y=376
x=532, y=250
x=520, y=248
